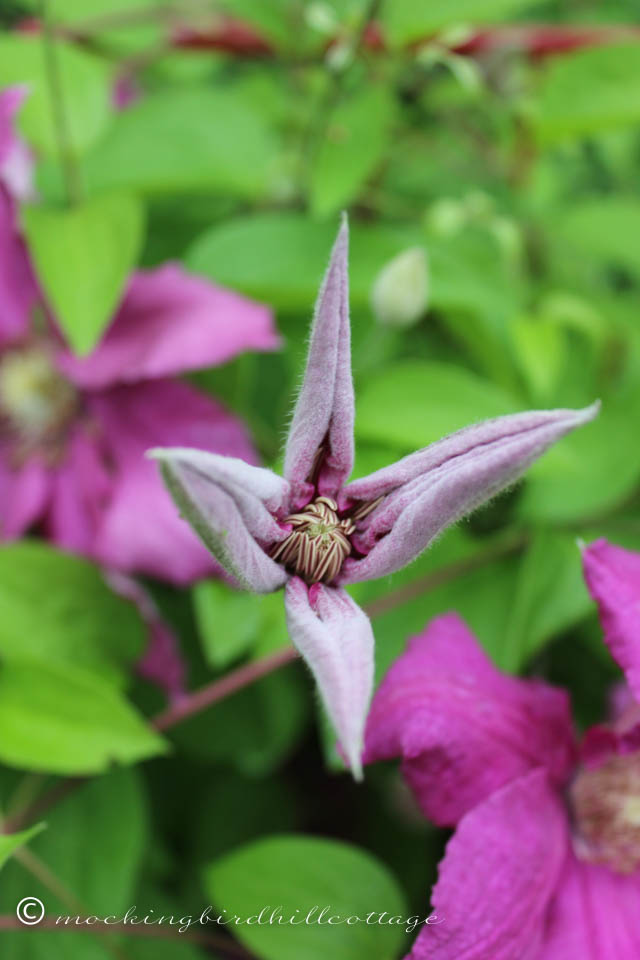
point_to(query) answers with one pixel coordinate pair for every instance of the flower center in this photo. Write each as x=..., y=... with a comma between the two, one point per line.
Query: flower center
x=606, y=805
x=318, y=544
x=35, y=399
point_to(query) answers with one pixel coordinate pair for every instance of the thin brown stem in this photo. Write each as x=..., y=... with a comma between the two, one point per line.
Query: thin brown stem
x=223, y=946
x=220, y=689
x=244, y=676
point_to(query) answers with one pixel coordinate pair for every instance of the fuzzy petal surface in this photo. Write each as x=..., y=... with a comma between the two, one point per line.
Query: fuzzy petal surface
x=172, y=321
x=324, y=411
x=230, y=504
x=594, y=915
x=433, y=488
x=461, y=727
x=334, y=637
x=613, y=578
x=498, y=876
x=141, y=530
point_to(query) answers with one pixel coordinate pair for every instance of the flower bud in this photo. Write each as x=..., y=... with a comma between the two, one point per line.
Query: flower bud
x=400, y=291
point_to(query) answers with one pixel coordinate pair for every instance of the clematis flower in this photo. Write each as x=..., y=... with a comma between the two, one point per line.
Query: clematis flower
x=313, y=533
x=73, y=431
x=544, y=863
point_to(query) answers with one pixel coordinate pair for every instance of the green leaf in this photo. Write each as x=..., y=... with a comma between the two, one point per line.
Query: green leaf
x=57, y=609
x=228, y=621
x=86, y=87
x=298, y=874
x=233, y=622
x=355, y=140
x=414, y=402
x=281, y=257
x=605, y=229
x=550, y=596
x=94, y=845
x=83, y=257
x=56, y=718
x=11, y=842
x=405, y=20
x=255, y=729
x=180, y=140
x=589, y=91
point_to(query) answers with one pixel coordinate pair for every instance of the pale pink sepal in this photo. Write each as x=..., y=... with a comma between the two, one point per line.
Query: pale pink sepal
x=324, y=411
x=498, y=876
x=334, y=637
x=433, y=488
x=229, y=503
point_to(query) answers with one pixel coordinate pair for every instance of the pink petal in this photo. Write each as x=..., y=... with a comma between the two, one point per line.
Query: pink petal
x=461, y=727
x=24, y=491
x=162, y=662
x=81, y=487
x=16, y=160
x=498, y=875
x=141, y=530
x=594, y=915
x=11, y=99
x=433, y=488
x=17, y=287
x=613, y=579
x=334, y=637
x=324, y=410
x=170, y=322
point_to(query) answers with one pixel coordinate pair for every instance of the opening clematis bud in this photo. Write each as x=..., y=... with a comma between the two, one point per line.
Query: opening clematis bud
x=400, y=292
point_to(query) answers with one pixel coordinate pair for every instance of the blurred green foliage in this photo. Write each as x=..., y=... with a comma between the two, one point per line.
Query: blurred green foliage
x=518, y=174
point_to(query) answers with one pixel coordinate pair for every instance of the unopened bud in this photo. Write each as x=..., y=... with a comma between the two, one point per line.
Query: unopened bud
x=400, y=291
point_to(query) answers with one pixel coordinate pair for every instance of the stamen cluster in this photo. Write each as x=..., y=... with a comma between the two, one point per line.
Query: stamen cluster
x=318, y=544
x=606, y=807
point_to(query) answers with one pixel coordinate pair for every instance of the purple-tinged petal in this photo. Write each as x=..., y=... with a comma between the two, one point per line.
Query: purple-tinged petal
x=140, y=530
x=498, y=876
x=320, y=440
x=594, y=915
x=80, y=488
x=429, y=490
x=17, y=286
x=162, y=662
x=334, y=637
x=16, y=161
x=461, y=727
x=24, y=491
x=170, y=322
x=613, y=578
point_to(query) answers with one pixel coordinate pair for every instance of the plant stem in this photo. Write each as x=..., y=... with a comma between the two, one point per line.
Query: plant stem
x=223, y=687
x=220, y=689
x=66, y=152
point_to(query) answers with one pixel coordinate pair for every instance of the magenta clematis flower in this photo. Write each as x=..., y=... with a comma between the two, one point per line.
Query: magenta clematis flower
x=313, y=533
x=73, y=431
x=545, y=860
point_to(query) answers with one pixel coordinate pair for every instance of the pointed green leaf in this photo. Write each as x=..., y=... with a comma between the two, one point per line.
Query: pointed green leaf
x=83, y=257
x=60, y=719
x=356, y=137
x=9, y=843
